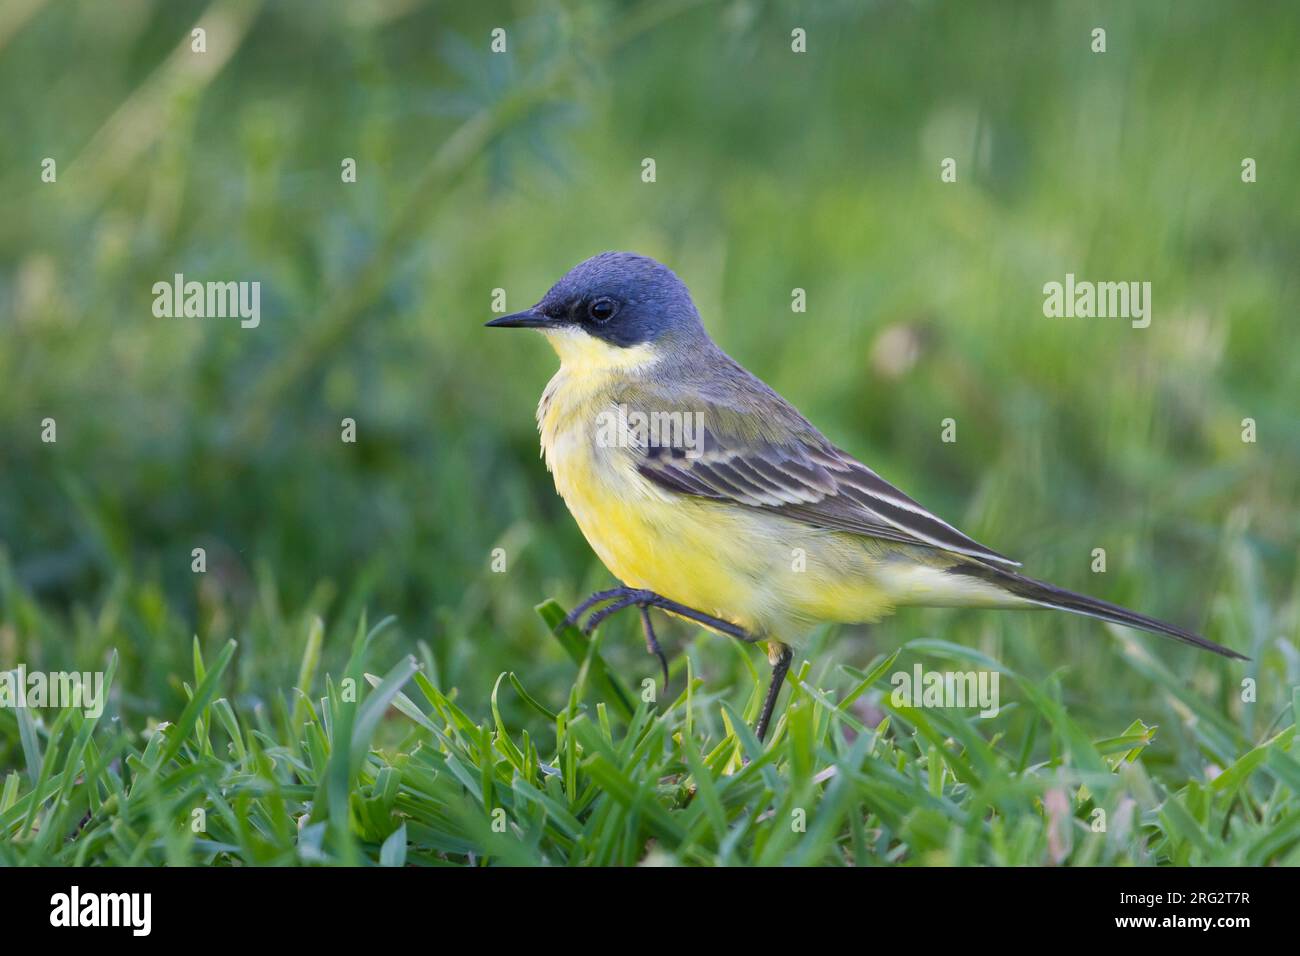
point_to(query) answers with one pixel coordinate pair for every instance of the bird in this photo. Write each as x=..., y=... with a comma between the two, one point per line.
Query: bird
x=710, y=497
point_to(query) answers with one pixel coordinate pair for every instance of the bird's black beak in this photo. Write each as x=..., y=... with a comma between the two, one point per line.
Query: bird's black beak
x=528, y=319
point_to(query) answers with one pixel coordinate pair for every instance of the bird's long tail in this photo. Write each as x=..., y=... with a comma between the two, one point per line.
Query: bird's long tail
x=1049, y=595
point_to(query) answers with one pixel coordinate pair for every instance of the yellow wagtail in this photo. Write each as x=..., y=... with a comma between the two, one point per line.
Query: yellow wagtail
x=709, y=496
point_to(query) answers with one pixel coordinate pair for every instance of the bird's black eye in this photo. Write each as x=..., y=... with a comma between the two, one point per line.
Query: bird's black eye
x=602, y=309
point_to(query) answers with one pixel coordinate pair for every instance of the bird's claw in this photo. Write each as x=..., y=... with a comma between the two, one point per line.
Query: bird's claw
x=615, y=600
x=652, y=643
x=573, y=618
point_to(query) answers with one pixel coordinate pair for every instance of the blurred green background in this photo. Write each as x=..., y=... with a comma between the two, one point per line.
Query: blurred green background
x=775, y=170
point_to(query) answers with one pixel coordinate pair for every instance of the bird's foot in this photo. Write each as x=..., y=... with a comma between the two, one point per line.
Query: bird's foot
x=618, y=599
x=574, y=616
x=615, y=600
x=652, y=643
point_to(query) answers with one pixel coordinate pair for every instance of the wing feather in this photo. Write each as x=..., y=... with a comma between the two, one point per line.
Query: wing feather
x=782, y=464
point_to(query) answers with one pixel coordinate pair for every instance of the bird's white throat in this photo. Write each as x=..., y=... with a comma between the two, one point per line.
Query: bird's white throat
x=582, y=354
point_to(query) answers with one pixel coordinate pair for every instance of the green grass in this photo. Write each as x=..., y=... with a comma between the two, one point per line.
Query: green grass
x=388, y=769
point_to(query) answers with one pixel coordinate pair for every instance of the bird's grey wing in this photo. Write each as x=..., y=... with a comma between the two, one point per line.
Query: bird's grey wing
x=774, y=459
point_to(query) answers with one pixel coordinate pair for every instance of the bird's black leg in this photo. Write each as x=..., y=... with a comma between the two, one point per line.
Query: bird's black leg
x=717, y=623
x=779, y=668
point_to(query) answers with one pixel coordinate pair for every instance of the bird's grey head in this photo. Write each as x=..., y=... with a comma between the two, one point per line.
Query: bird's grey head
x=618, y=297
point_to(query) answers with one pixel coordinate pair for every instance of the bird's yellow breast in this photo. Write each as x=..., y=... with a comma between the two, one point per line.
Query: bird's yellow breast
x=647, y=536
x=770, y=575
